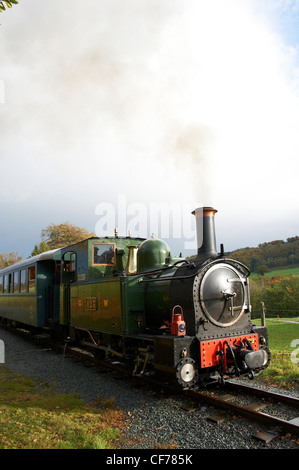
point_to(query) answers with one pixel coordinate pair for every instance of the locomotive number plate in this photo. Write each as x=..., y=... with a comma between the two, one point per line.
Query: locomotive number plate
x=91, y=303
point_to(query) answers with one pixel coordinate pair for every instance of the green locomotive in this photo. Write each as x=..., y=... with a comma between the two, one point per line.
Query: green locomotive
x=128, y=298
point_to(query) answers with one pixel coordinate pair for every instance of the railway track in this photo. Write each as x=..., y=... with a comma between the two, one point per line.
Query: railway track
x=253, y=411
x=259, y=411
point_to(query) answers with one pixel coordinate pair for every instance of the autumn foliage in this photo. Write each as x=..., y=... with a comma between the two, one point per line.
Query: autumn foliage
x=270, y=255
x=58, y=236
x=7, y=4
x=7, y=259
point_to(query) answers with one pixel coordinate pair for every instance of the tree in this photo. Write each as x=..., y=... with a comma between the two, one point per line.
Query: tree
x=282, y=296
x=275, y=254
x=58, y=236
x=40, y=248
x=261, y=269
x=8, y=3
x=7, y=259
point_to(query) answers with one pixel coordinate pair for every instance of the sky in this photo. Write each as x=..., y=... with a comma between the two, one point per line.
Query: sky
x=133, y=113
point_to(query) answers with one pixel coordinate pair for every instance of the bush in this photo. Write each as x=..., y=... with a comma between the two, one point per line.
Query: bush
x=280, y=296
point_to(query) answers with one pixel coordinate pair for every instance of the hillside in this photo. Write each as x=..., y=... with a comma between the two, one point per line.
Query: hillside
x=269, y=255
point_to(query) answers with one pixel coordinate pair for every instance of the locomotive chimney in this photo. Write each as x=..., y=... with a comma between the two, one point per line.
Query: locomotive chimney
x=205, y=229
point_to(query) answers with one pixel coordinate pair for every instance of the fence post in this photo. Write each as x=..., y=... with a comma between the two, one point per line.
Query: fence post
x=263, y=315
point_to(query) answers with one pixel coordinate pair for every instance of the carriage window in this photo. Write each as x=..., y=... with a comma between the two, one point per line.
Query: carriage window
x=103, y=254
x=31, y=278
x=7, y=283
x=23, y=281
x=16, y=284
x=1, y=284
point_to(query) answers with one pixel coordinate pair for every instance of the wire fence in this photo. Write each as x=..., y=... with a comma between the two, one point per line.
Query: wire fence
x=275, y=311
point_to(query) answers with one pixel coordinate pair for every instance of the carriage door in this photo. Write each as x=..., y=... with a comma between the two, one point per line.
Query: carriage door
x=69, y=269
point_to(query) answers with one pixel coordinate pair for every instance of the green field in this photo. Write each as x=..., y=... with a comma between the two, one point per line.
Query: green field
x=287, y=272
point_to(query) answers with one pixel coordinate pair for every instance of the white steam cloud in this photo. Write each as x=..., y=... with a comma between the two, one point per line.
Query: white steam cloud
x=159, y=100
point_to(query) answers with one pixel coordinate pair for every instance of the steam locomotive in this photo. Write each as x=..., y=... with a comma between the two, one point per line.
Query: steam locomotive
x=187, y=320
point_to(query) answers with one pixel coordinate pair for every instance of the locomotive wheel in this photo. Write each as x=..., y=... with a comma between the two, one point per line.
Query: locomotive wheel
x=186, y=372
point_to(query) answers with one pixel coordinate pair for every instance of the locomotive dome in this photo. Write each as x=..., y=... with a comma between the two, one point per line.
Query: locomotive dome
x=152, y=254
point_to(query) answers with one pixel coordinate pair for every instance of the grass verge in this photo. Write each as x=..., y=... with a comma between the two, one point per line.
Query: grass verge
x=283, y=338
x=32, y=417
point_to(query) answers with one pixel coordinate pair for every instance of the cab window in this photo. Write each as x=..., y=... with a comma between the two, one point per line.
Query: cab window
x=103, y=254
x=69, y=266
x=69, y=262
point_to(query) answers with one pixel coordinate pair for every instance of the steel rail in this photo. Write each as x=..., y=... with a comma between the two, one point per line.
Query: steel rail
x=245, y=411
x=268, y=395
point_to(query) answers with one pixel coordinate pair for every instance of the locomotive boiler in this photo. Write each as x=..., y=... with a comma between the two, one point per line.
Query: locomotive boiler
x=188, y=321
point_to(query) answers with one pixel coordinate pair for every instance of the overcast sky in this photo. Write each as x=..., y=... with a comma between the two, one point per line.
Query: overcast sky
x=132, y=104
